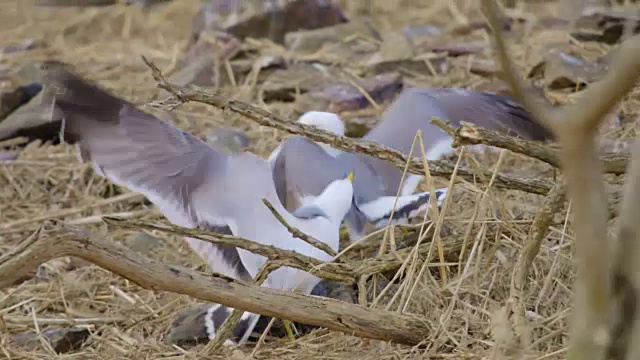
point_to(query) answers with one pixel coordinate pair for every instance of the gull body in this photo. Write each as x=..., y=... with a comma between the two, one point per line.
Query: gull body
x=196, y=186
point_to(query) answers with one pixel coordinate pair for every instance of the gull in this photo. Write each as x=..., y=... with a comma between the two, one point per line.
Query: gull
x=196, y=186
x=302, y=172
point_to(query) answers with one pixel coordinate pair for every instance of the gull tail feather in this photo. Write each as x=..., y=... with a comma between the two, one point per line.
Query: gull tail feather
x=217, y=314
x=380, y=210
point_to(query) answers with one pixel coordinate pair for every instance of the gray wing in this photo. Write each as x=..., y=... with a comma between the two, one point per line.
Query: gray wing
x=488, y=110
x=414, y=108
x=144, y=154
x=303, y=168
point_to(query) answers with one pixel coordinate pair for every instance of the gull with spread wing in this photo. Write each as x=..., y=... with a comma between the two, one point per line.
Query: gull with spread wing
x=196, y=186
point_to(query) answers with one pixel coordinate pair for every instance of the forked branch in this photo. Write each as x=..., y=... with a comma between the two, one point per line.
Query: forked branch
x=575, y=127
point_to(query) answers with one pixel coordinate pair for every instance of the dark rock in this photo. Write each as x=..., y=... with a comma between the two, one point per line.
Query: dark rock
x=62, y=340
x=610, y=25
x=26, y=45
x=310, y=41
x=234, y=17
x=561, y=70
x=83, y=3
x=346, y=97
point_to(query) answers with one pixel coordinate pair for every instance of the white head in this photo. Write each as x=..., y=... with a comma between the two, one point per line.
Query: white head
x=336, y=199
x=325, y=121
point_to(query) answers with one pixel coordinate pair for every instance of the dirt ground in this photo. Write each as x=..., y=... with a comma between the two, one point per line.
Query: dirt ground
x=467, y=312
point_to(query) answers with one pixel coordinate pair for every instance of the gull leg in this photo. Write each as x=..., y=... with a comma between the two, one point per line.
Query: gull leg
x=288, y=328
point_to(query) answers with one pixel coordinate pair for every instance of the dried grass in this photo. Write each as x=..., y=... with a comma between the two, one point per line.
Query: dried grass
x=128, y=322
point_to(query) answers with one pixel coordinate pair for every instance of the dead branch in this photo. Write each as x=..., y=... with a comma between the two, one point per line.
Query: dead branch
x=575, y=127
x=297, y=233
x=53, y=242
x=537, y=233
x=469, y=134
x=265, y=118
x=343, y=272
x=626, y=277
x=329, y=271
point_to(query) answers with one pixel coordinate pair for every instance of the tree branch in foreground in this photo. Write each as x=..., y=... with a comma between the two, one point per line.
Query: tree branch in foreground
x=265, y=118
x=53, y=241
x=574, y=126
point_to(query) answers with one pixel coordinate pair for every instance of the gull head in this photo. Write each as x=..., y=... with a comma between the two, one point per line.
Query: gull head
x=336, y=199
x=326, y=121
x=323, y=120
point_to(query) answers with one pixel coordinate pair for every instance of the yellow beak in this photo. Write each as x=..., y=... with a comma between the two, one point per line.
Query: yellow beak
x=350, y=176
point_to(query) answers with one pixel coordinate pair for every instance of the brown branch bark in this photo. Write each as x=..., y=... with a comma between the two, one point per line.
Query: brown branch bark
x=328, y=271
x=469, y=134
x=575, y=127
x=265, y=118
x=53, y=242
x=537, y=233
x=626, y=282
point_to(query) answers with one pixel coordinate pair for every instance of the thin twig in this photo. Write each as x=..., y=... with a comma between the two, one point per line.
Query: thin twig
x=329, y=271
x=297, y=233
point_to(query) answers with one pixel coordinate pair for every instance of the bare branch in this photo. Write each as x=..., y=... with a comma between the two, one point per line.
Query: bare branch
x=626, y=284
x=537, y=233
x=329, y=271
x=469, y=134
x=574, y=127
x=265, y=118
x=53, y=242
x=297, y=233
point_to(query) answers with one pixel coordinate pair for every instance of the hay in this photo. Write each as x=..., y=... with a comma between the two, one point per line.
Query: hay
x=466, y=312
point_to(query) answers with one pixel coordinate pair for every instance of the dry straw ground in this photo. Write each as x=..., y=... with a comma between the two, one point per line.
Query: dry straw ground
x=468, y=311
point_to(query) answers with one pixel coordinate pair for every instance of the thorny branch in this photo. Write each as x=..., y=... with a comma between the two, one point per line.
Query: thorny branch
x=265, y=118
x=575, y=127
x=53, y=241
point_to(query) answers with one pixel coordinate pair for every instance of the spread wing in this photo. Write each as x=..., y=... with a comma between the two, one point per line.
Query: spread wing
x=146, y=155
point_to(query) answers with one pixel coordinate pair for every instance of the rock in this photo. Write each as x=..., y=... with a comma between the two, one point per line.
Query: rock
x=396, y=46
x=83, y=3
x=310, y=41
x=228, y=140
x=8, y=155
x=610, y=25
x=188, y=329
x=456, y=49
x=145, y=3
x=26, y=45
x=198, y=64
x=484, y=67
x=346, y=97
x=145, y=243
x=34, y=120
x=259, y=19
x=301, y=77
x=561, y=70
x=62, y=340
x=12, y=95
